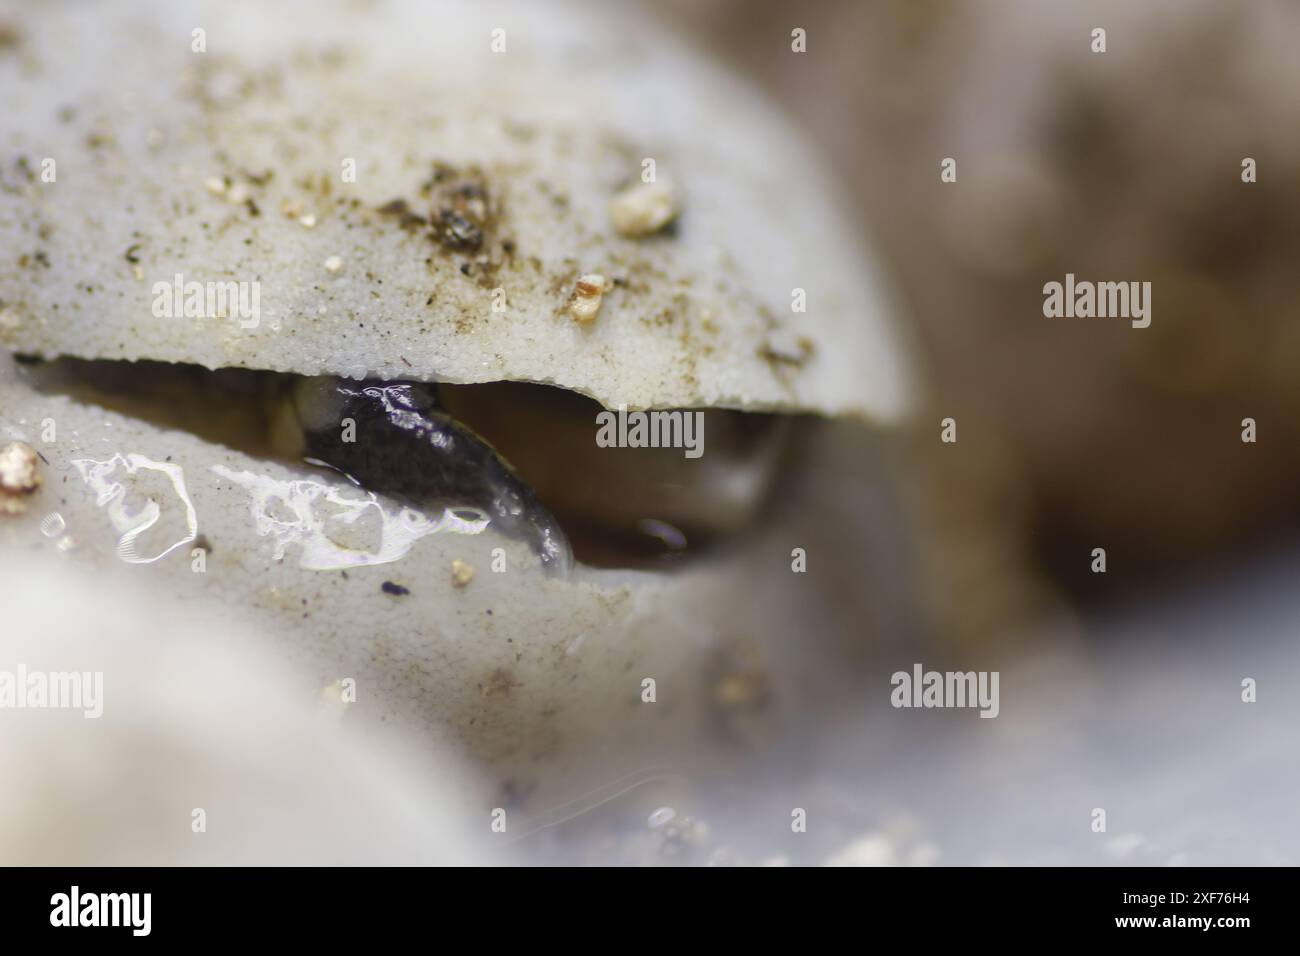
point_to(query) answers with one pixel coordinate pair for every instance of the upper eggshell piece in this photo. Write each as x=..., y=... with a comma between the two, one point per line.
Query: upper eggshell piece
x=235, y=164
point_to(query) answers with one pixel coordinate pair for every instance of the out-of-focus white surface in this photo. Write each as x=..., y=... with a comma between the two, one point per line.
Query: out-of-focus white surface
x=197, y=716
x=1138, y=713
x=1144, y=718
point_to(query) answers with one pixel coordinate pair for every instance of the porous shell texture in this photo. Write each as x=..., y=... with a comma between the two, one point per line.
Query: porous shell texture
x=320, y=153
x=540, y=678
x=519, y=668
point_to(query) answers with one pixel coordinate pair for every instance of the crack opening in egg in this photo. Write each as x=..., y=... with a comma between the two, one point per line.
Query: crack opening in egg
x=521, y=457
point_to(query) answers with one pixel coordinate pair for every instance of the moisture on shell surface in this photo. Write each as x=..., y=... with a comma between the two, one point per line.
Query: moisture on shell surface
x=307, y=555
x=449, y=628
x=481, y=198
x=460, y=209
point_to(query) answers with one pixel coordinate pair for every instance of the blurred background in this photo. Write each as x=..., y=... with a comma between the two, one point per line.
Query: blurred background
x=1121, y=690
x=1072, y=433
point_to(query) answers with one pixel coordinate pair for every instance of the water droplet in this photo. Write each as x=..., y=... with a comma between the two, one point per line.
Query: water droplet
x=53, y=525
x=133, y=507
x=336, y=525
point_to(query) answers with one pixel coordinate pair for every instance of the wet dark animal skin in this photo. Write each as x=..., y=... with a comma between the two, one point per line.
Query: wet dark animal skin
x=405, y=446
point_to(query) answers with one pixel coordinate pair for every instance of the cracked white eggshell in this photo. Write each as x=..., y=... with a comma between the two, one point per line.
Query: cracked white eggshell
x=140, y=125
x=529, y=673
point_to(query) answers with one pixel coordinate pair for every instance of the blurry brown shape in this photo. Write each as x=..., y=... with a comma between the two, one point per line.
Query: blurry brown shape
x=1122, y=166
